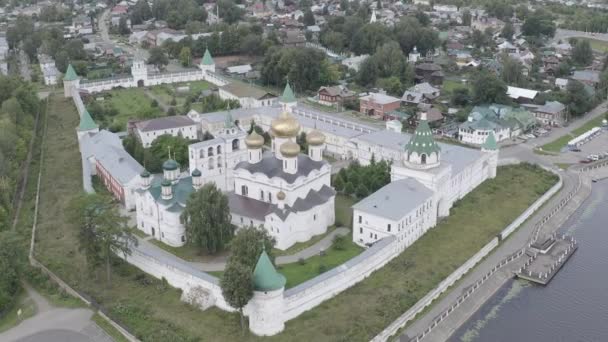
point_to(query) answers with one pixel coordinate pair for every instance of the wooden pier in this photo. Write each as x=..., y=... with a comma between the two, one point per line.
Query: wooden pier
x=546, y=258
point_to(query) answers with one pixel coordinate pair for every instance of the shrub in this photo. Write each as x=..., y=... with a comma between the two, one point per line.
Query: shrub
x=154, y=103
x=339, y=242
x=322, y=269
x=302, y=261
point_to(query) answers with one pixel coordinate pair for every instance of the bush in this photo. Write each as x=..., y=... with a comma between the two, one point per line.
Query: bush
x=339, y=242
x=154, y=104
x=322, y=269
x=301, y=261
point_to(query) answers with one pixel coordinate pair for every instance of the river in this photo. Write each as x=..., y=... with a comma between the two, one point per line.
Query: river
x=572, y=308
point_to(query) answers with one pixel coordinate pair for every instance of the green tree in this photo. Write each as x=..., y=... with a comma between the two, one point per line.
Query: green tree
x=362, y=191
x=582, y=54
x=338, y=183
x=466, y=18
x=578, y=99
x=158, y=57
x=349, y=188
x=123, y=26
x=507, y=31
x=539, y=23
x=511, y=72
x=247, y=245
x=229, y=11
x=488, y=89
x=185, y=56
x=207, y=219
x=308, y=19
x=460, y=96
x=178, y=146
x=392, y=85
x=102, y=231
x=237, y=287
x=11, y=263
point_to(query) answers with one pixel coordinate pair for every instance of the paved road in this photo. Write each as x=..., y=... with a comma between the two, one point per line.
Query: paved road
x=561, y=34
x=51, y=324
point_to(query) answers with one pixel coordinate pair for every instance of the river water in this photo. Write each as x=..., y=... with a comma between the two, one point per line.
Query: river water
x=572, y=308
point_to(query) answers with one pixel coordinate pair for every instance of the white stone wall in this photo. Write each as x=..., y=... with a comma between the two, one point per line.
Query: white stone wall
x=479, y=137
x=154, y=220
x=148, y=137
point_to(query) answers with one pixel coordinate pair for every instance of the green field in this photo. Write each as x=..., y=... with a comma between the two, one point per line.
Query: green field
x=131, y=104
x=561, y=142
x=596, y=44
x=153, y=312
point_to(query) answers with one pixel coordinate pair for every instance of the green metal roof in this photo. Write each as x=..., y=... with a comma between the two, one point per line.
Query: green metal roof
x=145, y=174
x=207, y=60
x=288, y=95
x=490, y=143
x=86, y=122
x=165, y=182
x=196, y=173
x=70, y=74
x=265, y=276
x=422, y=141
x=170, y=165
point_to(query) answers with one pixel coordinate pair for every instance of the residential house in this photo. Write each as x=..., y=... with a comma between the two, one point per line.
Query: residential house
x=420, y=93
x=587, y=77
x=551, y=113
x=292, y=38
x=333, y=95
x=48, y=68
x=429, y=72
x=248, y=96
x=378, y=104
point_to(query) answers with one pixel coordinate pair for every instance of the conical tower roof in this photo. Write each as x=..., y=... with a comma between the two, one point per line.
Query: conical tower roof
x=288, y=96
x=86, y=122
x=229, y=121
x=265, y=276
x=70, y=74
x=422, y=141
x=207, y=60
x=490, y=143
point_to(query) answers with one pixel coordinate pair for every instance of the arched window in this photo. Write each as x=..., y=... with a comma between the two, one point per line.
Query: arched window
x=202, y=153
x=261, y=195
x=219, y=162
x=219, y=150
x=210, y=151
x=235, y=144
x=211, y=164
x=244, y=190
x=423, y=159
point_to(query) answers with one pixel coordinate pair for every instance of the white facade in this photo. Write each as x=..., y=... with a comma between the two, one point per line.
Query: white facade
x=216, y=158
x=147, y=131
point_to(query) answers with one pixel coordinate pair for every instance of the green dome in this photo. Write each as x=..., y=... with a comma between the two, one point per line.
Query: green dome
x=265, y=276
x=422, y=141
x=165, y=182
x=170, y=165
x=145, y=174
x=196, y=173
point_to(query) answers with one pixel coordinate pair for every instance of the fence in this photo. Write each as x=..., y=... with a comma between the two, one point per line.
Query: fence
x=62, y=284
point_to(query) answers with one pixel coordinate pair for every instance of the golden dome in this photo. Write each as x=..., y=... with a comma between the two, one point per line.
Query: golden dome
x=290, y=149
x=285, y=126
x=254, y=140
x=281, y=195
x=315, y=138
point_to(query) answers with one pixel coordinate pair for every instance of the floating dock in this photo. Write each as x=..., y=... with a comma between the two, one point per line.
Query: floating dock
x=546, y=258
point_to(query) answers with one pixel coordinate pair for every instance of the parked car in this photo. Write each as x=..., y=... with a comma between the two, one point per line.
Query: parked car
x=593, y=157
x=585, y=161
x=575, y=149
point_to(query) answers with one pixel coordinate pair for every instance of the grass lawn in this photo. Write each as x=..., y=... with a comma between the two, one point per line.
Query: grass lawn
x=27, y=306
x=165, y=93
x=188, y=252
x=598, y=45
x=449, y=85
x=109, y=328
x=302, y=245
x=131, y=103
x=153, y=312
x=297, y=273
x=559, y=143
x=563, y=166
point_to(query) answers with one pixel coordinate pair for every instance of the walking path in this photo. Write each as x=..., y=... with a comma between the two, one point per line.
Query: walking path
x=160, y=102
x=52, y=324
x=219, y=263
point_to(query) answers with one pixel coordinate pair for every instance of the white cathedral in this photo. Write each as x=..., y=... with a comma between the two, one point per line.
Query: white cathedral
x=282, y=189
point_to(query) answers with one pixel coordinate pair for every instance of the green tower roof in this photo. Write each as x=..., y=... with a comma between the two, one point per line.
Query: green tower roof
x=422, y=141
x=265, y=276
x=288, y=95
x=86, y=122
x=490, y=143
x=229, y=121
x=196, y=173
x=145, y=174
x=170, y=165
x=165, y=182
x=207, y=60
x=70, y=74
